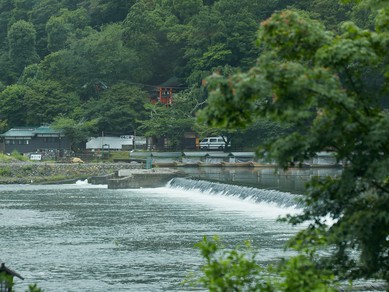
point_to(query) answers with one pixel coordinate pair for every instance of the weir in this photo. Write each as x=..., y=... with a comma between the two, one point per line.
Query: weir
x=282, y=199
x=142, y=178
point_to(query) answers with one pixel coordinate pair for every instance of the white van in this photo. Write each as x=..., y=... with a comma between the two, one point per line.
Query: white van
x=212, y=143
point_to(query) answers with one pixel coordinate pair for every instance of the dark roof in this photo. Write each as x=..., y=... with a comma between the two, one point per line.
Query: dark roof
x=8, y=271
x=172, y=82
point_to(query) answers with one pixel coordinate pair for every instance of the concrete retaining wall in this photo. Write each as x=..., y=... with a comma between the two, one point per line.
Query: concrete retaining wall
x=44, y=172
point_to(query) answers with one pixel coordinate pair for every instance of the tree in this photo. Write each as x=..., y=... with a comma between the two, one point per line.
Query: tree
x=237, y=269
x=228, y=271
x=330, y=12
x=6, y=7
x=319, y=82
x=76, y=131
x=185, y=9
x=145, y=34
x=21, y=41
x=172, y=121
x=94, y=56
x=107, y=11
x=12, y=107
x=39, y=15
x=260, y=132
x=118, y=109
x=45, y=99
x=60, y=28
x=206, y=42
x=57, y=31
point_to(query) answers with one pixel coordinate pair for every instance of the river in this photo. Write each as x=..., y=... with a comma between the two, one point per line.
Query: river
x=82, y=237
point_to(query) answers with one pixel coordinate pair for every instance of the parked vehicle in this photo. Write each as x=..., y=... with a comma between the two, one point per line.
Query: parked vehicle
x=213, y=143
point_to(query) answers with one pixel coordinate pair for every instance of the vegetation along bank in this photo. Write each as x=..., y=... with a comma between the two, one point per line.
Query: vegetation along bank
x=27, y=172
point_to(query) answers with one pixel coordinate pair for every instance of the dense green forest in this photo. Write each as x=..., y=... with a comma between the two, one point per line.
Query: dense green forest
x=92, y=64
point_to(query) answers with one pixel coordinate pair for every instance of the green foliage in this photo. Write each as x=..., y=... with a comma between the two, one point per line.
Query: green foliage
x=34, y=288
x=5, y=171
x=44, y=100
x=118, y=155
x=301, y=273
x=15, y=154
x=21, y=41
x=57, y=31
x=9, y=280
x=107, y=11
x=66, y=48
x=4, y=158
x=60, y=29
x=39, y=16
x=118, y=109
x=3, y=126
x=321, y=84
x=261, y=132
x=146, y=30
x=6, y=279
x=12, y=107
x=237, y=269
x=36, y=101
x=233, y=270
x=97, y=56
x=172, y=121
x=14, y=157
x=75, y=131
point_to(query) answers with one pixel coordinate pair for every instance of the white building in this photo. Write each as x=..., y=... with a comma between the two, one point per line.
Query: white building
x=115, y=143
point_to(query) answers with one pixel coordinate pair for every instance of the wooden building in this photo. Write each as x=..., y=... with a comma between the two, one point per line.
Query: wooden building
x=33, y=139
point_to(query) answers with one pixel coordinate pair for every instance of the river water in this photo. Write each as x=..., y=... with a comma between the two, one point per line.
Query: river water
x=82, y=237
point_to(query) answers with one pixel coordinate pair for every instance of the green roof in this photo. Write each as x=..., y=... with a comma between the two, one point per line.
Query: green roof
x=46, y=130
x=19, y=132
x=29, y=131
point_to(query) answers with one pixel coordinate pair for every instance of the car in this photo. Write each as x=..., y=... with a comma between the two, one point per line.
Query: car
x=212, y=143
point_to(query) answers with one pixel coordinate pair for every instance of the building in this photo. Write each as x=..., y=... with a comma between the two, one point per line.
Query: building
x=125, y=142
x=163, y=93
x=34, y=139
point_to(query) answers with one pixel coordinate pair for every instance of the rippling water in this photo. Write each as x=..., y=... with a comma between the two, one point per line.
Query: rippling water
x=89, y=238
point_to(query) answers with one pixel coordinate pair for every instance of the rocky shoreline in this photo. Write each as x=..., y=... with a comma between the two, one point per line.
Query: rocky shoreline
x=39, y=172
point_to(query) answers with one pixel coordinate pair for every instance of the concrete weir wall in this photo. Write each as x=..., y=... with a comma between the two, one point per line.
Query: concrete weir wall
x=142, y=178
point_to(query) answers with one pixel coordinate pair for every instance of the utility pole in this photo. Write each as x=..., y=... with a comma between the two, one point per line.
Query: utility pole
x=133, y=141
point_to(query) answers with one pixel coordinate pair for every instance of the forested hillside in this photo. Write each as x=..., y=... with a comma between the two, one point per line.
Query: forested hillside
x=93, y=62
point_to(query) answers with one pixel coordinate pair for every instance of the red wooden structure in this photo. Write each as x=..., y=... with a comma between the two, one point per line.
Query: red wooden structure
x=163, y=93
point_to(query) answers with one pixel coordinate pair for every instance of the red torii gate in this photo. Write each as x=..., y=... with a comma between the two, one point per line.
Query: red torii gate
x=163, y=93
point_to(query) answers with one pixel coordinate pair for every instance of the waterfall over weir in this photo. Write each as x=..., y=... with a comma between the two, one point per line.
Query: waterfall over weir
x=145, y=237
x=282, y=199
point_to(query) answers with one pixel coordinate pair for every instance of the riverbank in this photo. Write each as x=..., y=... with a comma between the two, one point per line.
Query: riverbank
x=39, y=172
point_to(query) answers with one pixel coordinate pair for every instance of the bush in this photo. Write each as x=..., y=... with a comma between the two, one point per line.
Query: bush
x=5, y=171
x=15, y=154
x=237, y=269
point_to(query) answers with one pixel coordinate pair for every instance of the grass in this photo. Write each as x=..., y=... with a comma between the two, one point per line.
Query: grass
x=5, y=171
x=6, y=158
x=118, y=155
x=15, y=154
x=14, y=157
